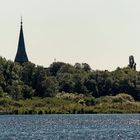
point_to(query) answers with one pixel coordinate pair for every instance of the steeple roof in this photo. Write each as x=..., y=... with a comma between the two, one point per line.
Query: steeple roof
x=21, y=55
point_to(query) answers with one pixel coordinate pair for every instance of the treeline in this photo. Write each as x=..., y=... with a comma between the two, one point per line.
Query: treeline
x=28, y=80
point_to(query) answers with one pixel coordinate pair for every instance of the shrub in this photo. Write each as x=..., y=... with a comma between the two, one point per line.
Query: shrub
x=123, y=98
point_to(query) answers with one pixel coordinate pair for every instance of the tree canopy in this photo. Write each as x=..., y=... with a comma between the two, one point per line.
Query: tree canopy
x=28, y=80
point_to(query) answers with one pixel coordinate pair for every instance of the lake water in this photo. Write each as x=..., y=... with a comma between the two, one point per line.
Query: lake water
x=70, y=127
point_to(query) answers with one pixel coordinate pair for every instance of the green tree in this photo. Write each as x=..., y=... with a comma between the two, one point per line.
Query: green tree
x=48, y=87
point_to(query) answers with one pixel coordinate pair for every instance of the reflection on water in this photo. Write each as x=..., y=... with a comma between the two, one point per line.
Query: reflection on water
x=70, y=127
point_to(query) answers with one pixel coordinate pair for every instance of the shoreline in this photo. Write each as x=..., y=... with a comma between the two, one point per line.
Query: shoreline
x=119, y=104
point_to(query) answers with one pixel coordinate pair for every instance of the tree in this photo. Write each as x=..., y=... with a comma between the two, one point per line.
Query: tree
x=15, y=90
x=66, y=83
x=48, y=87
x=79, y=86
x=132, y=63
x=92, y=87
x=55, y=67
x=27, y=73
x=27, y=92
x=86, y=67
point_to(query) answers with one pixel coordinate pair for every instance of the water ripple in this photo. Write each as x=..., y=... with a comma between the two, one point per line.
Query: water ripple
x=70, y=127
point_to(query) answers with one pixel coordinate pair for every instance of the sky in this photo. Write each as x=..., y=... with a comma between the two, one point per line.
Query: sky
x=102, y=33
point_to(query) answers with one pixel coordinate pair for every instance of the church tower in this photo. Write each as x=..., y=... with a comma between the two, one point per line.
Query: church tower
x=21, y=55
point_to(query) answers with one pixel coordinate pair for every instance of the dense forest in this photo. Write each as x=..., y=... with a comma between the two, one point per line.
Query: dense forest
x=25, y=81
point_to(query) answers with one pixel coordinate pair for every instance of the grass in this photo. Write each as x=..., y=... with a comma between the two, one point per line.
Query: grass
x=121, y=103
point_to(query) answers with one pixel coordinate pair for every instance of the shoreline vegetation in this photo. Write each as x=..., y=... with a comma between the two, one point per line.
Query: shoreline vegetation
x=121, y=103
x=66, y=89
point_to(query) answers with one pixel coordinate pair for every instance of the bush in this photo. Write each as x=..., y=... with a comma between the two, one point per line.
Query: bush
x=123, y=98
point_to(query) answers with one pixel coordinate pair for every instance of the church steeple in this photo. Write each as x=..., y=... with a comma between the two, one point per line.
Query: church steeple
x=21, y=22
x=21, y=55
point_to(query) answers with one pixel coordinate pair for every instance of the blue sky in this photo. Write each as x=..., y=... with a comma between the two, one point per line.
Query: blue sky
x=102, y=33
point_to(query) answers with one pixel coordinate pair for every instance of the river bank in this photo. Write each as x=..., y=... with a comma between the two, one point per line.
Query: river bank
x=121, y=103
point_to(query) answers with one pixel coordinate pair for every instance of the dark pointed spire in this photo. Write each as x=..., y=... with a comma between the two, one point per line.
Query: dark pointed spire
x=21, y=21
x=21, y=55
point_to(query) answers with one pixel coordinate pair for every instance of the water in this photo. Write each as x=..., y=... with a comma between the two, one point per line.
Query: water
x=70, y=127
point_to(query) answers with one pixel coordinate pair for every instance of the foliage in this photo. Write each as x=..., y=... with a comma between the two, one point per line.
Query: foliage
x=121, y=103
x=25, y=81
